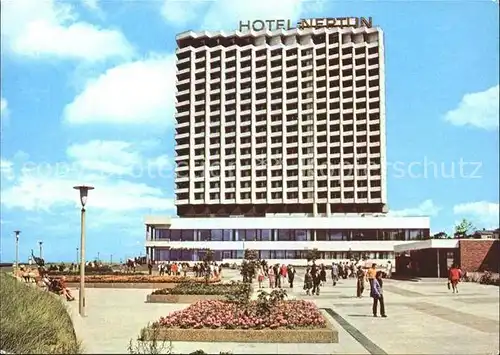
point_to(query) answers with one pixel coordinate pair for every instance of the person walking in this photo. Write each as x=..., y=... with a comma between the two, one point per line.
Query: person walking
x=277, y=276
x=335, y=273
x=378, y=295
x=360, y=283
x=454, y=276
x=271, y=276
x=371, y=274
x=308, y=281
x=291, y=275
x=260, y=276
x=316, y=276
x=322, y=275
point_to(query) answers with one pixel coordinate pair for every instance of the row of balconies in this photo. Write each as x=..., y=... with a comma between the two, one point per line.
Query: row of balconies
x=288, y=56
x=322, y=150
x=215, y=64
x=207, y=76
x=333, y=88
x=288, y=108
x=292, y=103
x=277, y=199
x=245, y=53
x=277, y=186
x=291, y=50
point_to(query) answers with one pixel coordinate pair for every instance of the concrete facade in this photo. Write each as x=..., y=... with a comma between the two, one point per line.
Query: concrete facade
x=280, y=122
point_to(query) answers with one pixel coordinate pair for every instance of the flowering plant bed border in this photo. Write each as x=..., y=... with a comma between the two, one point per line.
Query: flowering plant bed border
x=124, y=285
x=280, y=335
x=182, y=298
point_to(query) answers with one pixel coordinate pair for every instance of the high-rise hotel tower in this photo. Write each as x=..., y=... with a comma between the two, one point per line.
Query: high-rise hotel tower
x=284, y=131
x=280, y=122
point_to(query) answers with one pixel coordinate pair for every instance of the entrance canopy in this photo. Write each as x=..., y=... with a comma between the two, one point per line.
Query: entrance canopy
x=427, y=244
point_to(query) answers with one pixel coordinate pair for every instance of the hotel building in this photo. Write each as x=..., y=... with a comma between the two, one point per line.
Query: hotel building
x=280, y=147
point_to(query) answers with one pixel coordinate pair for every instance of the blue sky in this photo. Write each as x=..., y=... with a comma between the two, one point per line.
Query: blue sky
x=87, y=97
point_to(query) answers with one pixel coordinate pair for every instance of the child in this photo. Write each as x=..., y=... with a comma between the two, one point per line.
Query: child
x=271, y=277
x=260, y=276
x=308, y=282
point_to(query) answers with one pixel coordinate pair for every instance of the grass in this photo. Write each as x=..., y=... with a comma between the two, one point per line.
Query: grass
x=33, y=321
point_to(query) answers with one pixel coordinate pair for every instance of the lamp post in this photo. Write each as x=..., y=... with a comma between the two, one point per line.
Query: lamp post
x=98, y=257
x=17, y=248
x=77, y=256
x=111, y=259
x=40, y=243
x=84, y=190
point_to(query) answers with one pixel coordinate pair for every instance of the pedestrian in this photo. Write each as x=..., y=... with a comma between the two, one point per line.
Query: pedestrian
x=371, y=274
x=322, y=275
x=150, y=267
x=360, y=283
x=260, y=276
x=271, y=276
x=316, y=282
x=378, y=295
x=277, y=276
x=308, y=281
x=389, y=270
x=454, y=276
x=335, y=273
x=291, y=275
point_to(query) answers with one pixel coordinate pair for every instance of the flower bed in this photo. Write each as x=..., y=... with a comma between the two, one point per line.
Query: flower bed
x=485, y=278
x=193, y=292
x=225, y=321
x=93, y=273
x=204, y=289
x=149, y=279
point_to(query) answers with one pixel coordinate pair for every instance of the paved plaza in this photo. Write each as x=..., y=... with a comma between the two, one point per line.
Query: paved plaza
x=423, y=318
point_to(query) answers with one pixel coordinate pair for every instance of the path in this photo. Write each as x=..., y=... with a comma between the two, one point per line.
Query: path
x=424, y=318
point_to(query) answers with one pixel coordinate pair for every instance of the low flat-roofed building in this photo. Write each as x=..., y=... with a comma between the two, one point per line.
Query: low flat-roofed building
x=281, y=239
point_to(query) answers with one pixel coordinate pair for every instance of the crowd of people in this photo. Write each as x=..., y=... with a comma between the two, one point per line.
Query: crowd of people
x=200, y=269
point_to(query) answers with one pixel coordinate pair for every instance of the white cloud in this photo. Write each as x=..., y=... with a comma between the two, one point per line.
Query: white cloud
x=478, y=109
x=48, y=28
x=91, y=4
x=4, y=108
x=135, y=93
x=426, y=208
x=6, y=169
x=226, y=14
x=103, y=165
x=483, y=214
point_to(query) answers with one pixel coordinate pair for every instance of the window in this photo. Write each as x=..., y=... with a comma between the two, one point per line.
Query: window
x=266, y=235
x=216, y=235
x=227, y=235
x=286, y=235
x=204, y=235
x=175, y=235
x=302, y=235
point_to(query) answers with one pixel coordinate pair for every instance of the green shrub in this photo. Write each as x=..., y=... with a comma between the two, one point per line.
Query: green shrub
x=33, y=321
x=205, y=289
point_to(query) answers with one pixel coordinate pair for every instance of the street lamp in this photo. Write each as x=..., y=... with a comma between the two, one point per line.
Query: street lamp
x=17, y=248
x=84, y=190
x=40, y=243
x=77, y=256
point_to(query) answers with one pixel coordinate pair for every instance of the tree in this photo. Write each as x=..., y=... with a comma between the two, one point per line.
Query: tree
x=249, y=265
x=463, y=229
x=313, y=254
x=250, y=254
x=209, y=256
x=440, y=235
